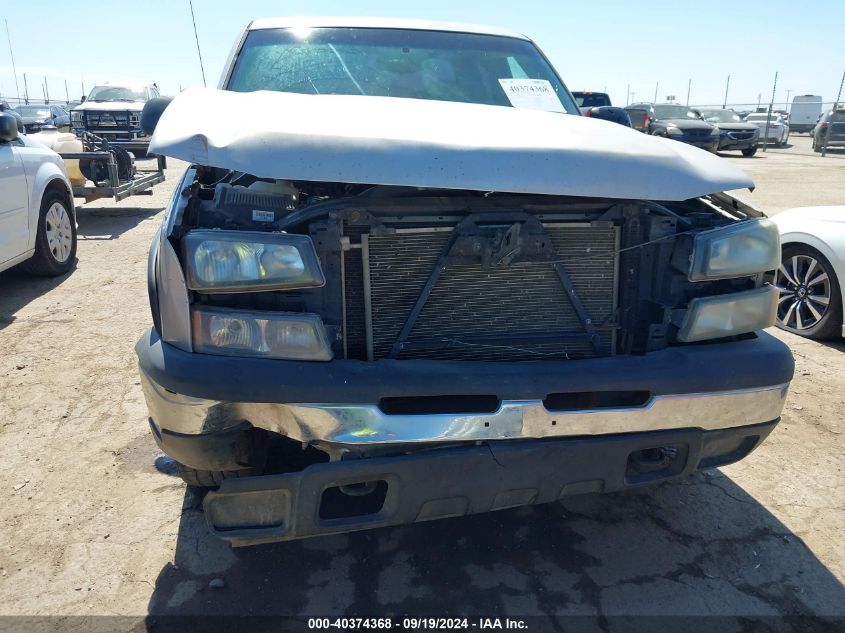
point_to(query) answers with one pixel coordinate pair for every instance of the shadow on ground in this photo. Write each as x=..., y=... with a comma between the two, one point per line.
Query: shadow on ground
x=699, y=546
x=18, y=288
x=109, y=223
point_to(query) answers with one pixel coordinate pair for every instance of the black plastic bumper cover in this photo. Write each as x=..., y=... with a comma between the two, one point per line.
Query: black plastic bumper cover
x=458, y=481
x=749, y=364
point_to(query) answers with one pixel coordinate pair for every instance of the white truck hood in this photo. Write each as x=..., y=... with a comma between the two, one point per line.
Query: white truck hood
x=421, y=143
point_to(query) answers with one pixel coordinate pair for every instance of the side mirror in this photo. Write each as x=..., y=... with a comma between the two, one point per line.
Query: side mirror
x=152, y=112
x=83, y=99
x=8, y=128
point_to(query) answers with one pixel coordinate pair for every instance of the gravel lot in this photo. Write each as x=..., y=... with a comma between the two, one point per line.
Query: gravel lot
x=96, y=528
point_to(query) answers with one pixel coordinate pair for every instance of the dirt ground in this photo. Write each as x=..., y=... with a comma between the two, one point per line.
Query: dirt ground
x=91, y=526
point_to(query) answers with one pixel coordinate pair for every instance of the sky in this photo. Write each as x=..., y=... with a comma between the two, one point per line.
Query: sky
x=627, y=48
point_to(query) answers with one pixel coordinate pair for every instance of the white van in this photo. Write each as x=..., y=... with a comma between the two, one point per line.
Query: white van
x=805, y=112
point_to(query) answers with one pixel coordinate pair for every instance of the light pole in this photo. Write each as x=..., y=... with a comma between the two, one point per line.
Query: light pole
x=727, y=85
x=786, y=105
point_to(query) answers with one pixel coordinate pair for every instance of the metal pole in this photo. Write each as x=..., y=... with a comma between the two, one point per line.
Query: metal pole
x=67, y=94
x=769, y=113
x=727, y=85
x=14, y=69
x=197, y=38
x=25, y=90
x=628, y=95
x=786, y=105
x=689, y=85
x=830, y=121
x=656, y=86
x=46, y=91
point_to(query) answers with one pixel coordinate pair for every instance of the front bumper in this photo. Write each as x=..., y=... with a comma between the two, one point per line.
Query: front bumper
x=709, y=143
x=357, y=494
x=709, y=387
x=729, y=143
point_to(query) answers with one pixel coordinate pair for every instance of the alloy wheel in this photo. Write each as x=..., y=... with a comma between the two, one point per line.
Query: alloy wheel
x=804, y=287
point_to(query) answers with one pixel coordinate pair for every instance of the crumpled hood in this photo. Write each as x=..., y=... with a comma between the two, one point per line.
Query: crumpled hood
x=110, y=105
x=420, y=143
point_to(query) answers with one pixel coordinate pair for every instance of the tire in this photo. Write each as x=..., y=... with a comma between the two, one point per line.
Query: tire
x=808, y=317
x=55, y=240
x=211, y=478
x=749, y=151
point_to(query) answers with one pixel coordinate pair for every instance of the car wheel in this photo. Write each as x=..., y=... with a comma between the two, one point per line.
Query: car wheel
x=55, y=240
x=810, y=302
x=749, y=151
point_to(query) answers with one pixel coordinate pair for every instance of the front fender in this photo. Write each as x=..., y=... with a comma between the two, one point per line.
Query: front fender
x=41, y=174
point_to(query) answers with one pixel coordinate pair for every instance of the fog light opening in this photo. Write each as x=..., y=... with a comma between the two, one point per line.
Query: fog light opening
x=356, y=499
x=655, y=462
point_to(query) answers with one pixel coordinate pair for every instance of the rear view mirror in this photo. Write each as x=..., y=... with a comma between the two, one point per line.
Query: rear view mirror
x=152, y=112
x=8, y=128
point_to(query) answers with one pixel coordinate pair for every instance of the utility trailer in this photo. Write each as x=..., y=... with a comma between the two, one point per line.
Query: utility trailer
x=111, y=172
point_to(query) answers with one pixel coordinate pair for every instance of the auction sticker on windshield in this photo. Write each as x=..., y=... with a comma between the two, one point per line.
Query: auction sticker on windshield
x=535, y=94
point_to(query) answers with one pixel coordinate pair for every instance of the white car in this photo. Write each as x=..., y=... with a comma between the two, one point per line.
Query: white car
x=776, y=131
x=813, y=266
x=37, y=219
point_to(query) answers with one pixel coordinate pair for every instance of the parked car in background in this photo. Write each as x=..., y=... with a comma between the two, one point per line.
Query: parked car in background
x=113, y=111
x=773, y=128
x=608, y=113
x=587, y=100
x=37, y=218
x=5, y=107
x=40, y=115
x=835, y=136
x=375, y=271
x=734, y=133
x=677, y=122
x=809, y=279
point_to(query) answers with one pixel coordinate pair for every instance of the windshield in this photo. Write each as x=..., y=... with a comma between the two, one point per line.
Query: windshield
x=41, y=112
x=673, y=112
x=591, y=99
x=721, y=116
x=407, y=63
x=117, y=93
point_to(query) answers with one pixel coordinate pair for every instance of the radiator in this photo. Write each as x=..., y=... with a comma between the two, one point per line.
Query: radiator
x=503, y=306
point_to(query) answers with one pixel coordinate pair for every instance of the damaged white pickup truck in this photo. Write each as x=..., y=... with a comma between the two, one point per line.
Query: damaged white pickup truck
x=403, y=279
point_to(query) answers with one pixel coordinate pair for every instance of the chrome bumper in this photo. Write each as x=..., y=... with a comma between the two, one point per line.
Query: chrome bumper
x=367, y=425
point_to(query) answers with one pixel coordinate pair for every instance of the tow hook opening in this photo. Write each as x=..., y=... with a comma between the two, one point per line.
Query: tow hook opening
x=656, y=462
x=354, y=499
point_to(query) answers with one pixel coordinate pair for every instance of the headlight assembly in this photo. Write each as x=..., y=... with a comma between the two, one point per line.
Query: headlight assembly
x=744, y=248
x=285, y=335
x=249, y=261
x=728, y=315
x=674, y=131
